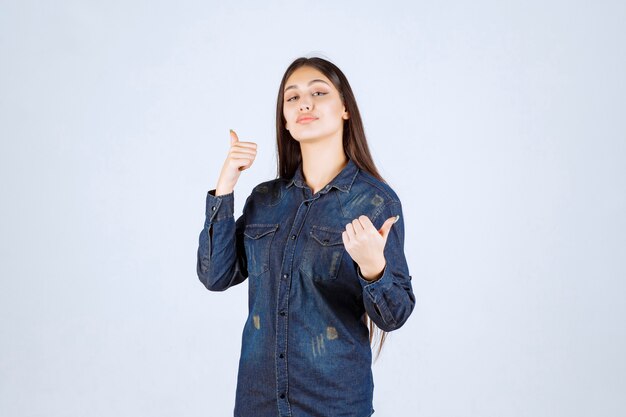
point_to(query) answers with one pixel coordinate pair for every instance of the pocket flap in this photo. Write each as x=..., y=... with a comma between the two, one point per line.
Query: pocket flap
x=326, y=237
x=257, y=231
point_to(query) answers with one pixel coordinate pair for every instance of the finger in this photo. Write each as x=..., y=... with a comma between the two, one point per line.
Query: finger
x=350, y=230
x=251, y=145
x=242, y=160
x=358, y=227
x=366, y=222
x=242, y=153
x=346, y=238
x=244, y=163
x=233, y=137
x=386, y=227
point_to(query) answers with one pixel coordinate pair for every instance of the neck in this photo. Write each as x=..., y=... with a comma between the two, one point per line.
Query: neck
x=321, y=162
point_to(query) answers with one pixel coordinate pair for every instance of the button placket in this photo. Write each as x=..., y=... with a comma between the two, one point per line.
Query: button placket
x=282, y=324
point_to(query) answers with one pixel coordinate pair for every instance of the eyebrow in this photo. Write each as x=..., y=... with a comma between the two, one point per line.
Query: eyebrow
x=310, y=82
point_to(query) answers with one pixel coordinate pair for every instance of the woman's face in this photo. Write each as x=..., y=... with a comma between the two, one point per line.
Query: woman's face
x=312, y=106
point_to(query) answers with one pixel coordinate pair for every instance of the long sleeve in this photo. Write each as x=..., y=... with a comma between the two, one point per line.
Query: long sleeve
x=221, y=253
x=389, y=301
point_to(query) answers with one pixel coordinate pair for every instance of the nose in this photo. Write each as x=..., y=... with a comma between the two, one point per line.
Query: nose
x=305, y=106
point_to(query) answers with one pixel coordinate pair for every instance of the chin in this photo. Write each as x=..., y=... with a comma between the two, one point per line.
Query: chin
x=304, y=137
x=309, y=136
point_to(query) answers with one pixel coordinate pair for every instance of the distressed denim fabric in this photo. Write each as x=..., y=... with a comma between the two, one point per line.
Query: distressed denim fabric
x=305, y=349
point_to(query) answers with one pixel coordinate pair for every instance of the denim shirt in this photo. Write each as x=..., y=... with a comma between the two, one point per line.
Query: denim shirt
x=305, y=348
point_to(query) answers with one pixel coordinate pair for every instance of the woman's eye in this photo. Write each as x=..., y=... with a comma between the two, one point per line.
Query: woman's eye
x=316, y=93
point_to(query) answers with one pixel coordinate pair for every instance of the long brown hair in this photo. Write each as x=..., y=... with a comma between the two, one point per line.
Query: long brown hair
x=354, y=143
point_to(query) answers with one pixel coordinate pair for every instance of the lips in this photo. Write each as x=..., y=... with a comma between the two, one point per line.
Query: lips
x=306, y=119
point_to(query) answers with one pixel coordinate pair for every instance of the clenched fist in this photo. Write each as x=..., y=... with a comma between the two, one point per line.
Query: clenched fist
x=366, y=245
x=240, y=157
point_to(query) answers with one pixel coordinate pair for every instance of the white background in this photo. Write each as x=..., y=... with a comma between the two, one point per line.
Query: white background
x=500, y=124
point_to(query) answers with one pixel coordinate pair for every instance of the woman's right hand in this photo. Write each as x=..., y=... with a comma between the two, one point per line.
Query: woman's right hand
x=240, y=157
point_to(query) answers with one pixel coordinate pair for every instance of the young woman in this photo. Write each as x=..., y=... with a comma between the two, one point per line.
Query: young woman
x=322, y=247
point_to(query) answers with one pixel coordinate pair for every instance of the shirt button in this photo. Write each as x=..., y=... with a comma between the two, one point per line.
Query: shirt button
x=213, y=208
x=285, y=276
x=282, y=396
x=293, y=237
x=282, y=313
x=282, y=355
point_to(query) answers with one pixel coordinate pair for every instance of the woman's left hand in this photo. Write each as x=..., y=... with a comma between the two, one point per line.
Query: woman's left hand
x=366, y=245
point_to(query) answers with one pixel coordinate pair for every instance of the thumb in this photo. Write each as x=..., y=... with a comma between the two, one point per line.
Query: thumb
x=384, y=230
x=233, y=137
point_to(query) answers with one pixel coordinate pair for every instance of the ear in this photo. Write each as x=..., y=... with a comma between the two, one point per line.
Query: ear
x=345, y=115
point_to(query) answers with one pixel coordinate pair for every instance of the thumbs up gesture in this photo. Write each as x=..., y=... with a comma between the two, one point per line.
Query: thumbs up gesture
x=241, y=154
x=366, y=245
x=240, y=157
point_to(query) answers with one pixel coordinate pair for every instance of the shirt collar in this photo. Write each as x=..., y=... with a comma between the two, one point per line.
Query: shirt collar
x=343, y=181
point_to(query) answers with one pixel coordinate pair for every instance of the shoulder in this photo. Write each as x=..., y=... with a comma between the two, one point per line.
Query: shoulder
x=365, y=182
x=371, y=197
x=268, y=193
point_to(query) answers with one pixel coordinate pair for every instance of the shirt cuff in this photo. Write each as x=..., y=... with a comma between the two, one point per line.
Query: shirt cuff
x=221, y=207
x=377, y=287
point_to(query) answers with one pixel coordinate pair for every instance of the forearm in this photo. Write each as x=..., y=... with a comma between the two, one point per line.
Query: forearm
x=388, y=300
x=219, y=253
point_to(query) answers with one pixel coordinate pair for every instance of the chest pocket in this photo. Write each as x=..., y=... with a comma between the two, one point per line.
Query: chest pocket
x=257, y=241
x=322, y=254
